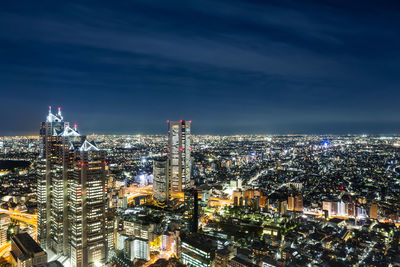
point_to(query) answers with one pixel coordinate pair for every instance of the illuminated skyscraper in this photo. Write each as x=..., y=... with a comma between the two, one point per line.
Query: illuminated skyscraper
x=160, y=180
x=71, y=194
x=53, y=182
x=87, y=201
x=179, y=155
x=191, y=215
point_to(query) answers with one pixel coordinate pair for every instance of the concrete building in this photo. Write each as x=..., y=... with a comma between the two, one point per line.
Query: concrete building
x=179, y=155
x=25, y=252
x=160, y=181
x=71, y=194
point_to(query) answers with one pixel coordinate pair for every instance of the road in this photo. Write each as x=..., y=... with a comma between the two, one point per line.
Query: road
x=5, y=249
x=27, y=218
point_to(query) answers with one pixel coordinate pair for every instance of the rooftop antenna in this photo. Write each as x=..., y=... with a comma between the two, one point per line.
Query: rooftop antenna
x=59, y=111
x=49, y=109
x=75, y=127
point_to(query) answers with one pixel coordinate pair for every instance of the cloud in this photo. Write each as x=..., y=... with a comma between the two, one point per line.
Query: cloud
x=241, y=60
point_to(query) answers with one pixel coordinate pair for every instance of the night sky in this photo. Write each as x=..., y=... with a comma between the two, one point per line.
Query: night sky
x=231, y=66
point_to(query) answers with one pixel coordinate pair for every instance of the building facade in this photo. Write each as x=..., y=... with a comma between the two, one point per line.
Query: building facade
x=191, y=214
x=179, y=155
x=25, y=252
x=71, y=194
x=160, y=181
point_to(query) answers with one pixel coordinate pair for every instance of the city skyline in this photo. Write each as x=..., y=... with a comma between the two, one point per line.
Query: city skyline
x=332, y=131
x=212, y=133
x=232, y=67
x=197, y=200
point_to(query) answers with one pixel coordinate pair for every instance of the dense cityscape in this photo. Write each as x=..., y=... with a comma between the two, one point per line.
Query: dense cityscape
x=182, y=199
x=212, y=133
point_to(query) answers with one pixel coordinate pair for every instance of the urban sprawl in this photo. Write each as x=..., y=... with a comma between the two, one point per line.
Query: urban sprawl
x=182, y=199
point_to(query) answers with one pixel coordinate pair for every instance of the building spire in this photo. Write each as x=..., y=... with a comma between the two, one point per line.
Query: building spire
x=59, y=111
x=49, y=109
x=75, y=127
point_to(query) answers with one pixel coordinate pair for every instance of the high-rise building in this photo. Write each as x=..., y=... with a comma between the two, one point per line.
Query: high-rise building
x=141, y=248
x=373, y=211
x=55, y=138
x=290, y=203
x=71, y=194
x=160, y=181
x=283, y=207
x=179, y=155
x=295, y=203
x=191, y=199
x=298, y=203
x=87, y=201
x=4, y=223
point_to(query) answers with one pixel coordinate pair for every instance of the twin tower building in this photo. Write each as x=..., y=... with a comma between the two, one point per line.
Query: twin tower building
x=74, y=221
x=172, y=174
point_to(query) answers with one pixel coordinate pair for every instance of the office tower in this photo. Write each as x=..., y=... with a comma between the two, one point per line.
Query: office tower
x=373, y=211
x=191, y=199
x=291, y=203
x=26, y=252
x=4, y=223
x=179, y=155
x=160, y=181
x=197, y=250
x=55, y=138
x=111, y=230
x=87, y=217
x=283, y=207
x=237, y=197
x=71, y=193
x=298, y=203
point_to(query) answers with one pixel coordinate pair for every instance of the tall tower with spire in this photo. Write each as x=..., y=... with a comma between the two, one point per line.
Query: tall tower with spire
x=71, y=194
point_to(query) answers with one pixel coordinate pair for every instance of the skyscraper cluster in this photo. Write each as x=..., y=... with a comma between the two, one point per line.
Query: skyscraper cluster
x=71, y=194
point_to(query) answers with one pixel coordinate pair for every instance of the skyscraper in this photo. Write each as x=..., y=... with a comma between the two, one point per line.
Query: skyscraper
x=179, y=155
x=55, y=136
x=160, y=181
x=191, y=215
x=71, y=194
x=87, y=199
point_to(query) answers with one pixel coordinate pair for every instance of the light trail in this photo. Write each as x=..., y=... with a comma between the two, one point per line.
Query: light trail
x=27, y=218
x=5, y=249
x=30, y=219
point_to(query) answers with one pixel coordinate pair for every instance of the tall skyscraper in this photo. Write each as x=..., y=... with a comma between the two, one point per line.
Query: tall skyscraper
x=71, y=194
x=87, y=200
x=160, y=181
x=179, y=155
x=191, y=215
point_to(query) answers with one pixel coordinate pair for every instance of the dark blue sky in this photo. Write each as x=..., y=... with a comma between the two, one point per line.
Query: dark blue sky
x=230, y=66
